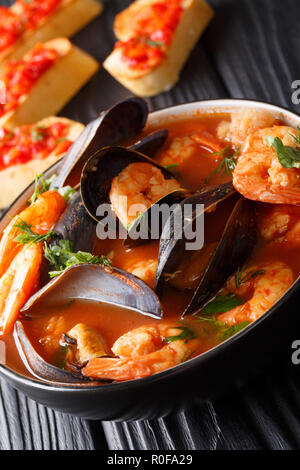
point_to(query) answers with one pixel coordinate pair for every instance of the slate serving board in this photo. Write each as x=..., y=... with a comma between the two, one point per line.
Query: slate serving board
x=250, y=50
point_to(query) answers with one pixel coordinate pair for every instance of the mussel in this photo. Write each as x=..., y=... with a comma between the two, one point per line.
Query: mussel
x=83, y=282
x=232, y=250
x=114, y=126
x=96, y=180
x=100, y=284
x=38, y=366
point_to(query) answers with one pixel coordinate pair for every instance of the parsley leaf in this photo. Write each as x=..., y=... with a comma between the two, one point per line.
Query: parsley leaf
x=221, y=304
x=37, y=133
x=224, y=331
x=186, y=335
x=28, y=236
x=289, y=157
x=229, y=331
x=153, y=43
x=61, y=255
x=42, y=185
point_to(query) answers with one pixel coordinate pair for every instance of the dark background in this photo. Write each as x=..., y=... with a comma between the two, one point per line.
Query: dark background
x=250, y=50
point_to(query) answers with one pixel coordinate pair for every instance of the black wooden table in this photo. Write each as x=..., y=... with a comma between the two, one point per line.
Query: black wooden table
x=250, y=50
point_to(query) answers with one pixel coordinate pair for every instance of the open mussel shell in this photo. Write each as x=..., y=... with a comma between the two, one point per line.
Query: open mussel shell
x=100, y=284
x=150, y=144
x=141, y=231
x=38, y=366
x=236, y=244
x=115, y=126
x=102, y=167
x=172, y=244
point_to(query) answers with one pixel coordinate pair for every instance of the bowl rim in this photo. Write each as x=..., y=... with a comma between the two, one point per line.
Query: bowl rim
x=165, y=114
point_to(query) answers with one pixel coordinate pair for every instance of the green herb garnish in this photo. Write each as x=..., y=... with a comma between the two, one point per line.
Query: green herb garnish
x=187, y=355
x=186, y=335
x=61, y=255
x=152, y=43
x=224, y=331
x=241, y=278
x=228, y=162
x=229, y=331
x=42, y=185
x=221, y=304
x=288, y=156
x=28, y=236
x=37, y=133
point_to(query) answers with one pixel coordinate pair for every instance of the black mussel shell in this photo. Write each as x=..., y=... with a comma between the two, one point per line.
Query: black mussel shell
x=100, y=284
x=141, y=230
x=114, y=126
x=150, y=144
x=172, y=248
x=236, y=245
x=76, y=225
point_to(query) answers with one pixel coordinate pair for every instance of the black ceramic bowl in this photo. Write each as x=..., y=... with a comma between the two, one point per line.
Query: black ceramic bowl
x=201, y=378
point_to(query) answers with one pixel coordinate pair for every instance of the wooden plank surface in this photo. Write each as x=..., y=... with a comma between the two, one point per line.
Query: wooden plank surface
x=251, y=51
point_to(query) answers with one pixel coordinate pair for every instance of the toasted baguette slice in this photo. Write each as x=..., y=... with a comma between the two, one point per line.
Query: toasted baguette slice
x=65, y=21
x=194, y=19
x=14, y=179
x=55, y=87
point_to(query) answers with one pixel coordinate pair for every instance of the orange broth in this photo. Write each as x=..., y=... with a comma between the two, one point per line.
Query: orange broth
x=111, y=321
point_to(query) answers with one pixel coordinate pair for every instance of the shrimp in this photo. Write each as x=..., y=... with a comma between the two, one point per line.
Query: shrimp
x=244, y=123
x=264, y=290
x=89, y=342
x=260, y=176
x=136, y=188
x=145, y=270
x=18, y=283
x=183, y=148
x=41, y=215
x=275, y=221
x=144, y=351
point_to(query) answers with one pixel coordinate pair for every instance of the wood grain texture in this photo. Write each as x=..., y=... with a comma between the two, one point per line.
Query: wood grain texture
x=250, y=50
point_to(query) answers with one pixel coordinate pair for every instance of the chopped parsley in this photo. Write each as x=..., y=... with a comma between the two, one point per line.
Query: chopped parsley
x=288, y=156
x=241, y=278
x=221, y=304
x=153, y=43
x=229, y=331
x=38, y=133
x=42, y=185
x=186, y=335
x=61, y=255
x=224, y=330
x=26, y=235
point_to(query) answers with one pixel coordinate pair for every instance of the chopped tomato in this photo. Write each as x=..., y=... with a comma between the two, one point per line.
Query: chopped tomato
x=20, y=76
x=30, y=142
x=153, y=32
x=11, y=27
x=30, y=14
x=34, y=11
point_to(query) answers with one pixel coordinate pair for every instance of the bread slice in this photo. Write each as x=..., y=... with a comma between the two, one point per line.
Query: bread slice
x=55, y=87
x=194, y=19
x=14, y=179
x=65, y=21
